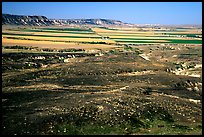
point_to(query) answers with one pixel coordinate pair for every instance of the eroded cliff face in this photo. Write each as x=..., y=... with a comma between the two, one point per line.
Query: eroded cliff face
x=8, y=19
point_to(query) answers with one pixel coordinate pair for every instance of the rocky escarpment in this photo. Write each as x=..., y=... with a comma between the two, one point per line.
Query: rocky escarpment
x=8, y=19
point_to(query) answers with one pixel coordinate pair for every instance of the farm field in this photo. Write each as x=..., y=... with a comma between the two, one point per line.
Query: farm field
x=101, y=81
x=102, y=36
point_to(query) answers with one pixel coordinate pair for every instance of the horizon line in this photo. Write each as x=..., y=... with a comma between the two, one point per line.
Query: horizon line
x=103, y=18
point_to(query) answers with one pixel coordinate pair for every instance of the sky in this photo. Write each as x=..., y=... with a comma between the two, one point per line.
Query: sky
x=128, y=12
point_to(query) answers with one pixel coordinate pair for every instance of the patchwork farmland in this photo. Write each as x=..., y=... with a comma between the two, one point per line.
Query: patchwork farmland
x=104, y=36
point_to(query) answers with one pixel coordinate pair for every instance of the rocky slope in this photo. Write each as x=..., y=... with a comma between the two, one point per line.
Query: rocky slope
x=8, y=19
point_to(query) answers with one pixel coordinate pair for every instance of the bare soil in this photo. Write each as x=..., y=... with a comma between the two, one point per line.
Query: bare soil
x=117, y=93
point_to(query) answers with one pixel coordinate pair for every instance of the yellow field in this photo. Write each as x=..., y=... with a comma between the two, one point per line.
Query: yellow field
x=148, y=31
x=51, y=34
x=156, y=38
x=53, y=45
x=61, y=39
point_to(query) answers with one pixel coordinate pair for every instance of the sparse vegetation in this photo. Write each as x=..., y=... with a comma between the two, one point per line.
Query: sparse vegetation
x=122, y=90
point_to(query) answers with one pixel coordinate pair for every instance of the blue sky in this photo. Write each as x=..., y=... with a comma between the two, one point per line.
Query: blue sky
x=130, y=12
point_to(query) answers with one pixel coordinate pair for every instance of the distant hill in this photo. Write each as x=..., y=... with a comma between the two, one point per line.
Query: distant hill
x=8, y=19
